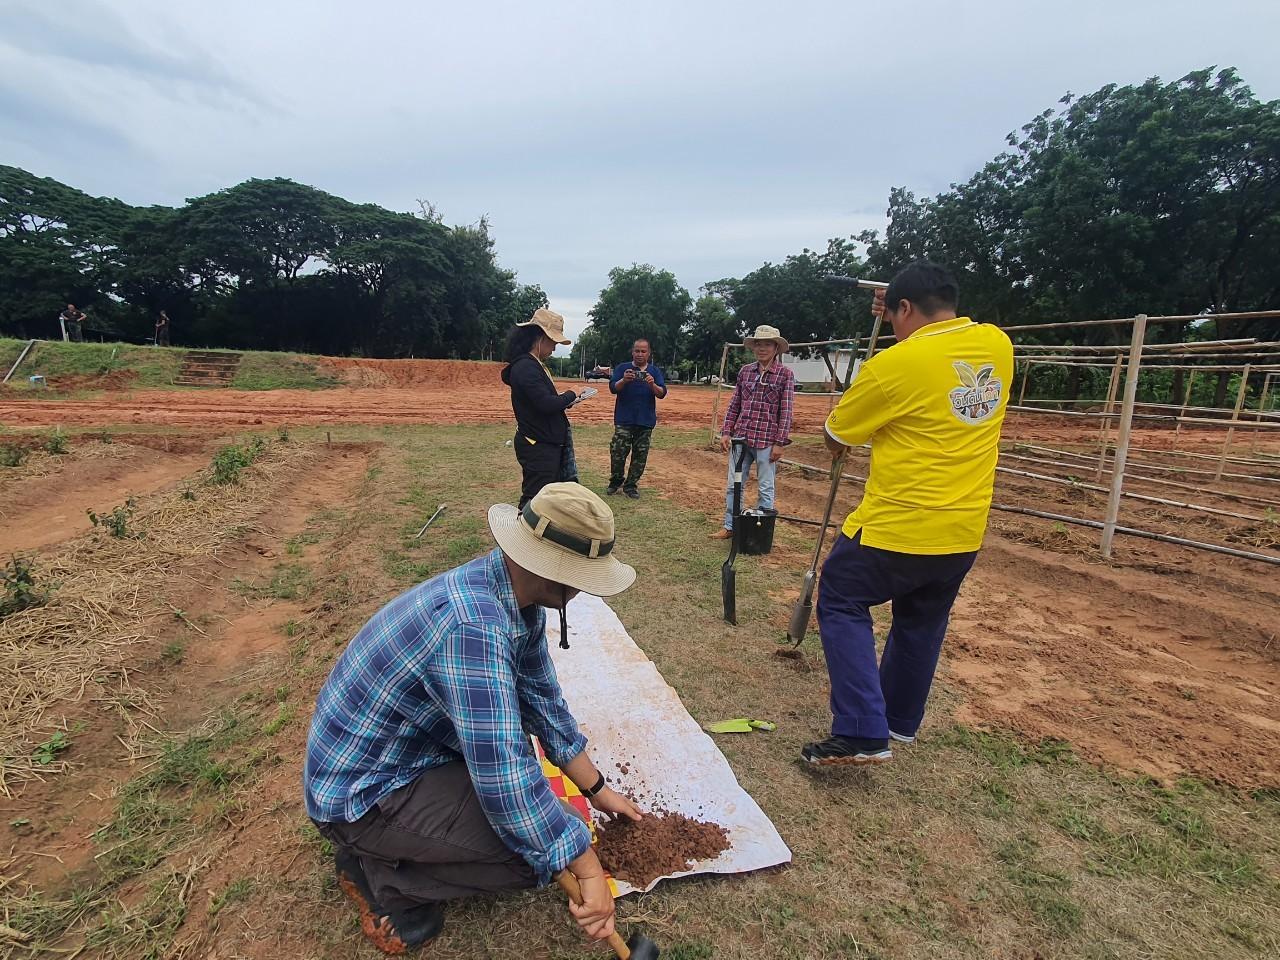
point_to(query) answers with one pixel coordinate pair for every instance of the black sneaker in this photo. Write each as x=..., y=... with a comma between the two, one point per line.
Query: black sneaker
x=840, y=751
x=901, y=737
x=632, y=492
x=391, y=931
x=613, y=488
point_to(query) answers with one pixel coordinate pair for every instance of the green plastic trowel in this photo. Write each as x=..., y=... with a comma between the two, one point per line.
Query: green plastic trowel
x=739, y=725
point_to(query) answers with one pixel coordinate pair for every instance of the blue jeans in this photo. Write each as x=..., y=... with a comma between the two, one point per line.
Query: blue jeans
x=867, y=701
x=765, y=473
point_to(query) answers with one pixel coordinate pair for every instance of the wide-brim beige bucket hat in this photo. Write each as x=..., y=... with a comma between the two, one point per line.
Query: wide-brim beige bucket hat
x=765, y=333
x=566, y=534
x=552, y=325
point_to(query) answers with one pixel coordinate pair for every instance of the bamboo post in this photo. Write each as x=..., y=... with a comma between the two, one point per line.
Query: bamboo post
x=1112, y=385
x=1262, y=409
x=871, y=342
x=1186, y=400
x=1235, y=417
x=715, y=407
x=1026, y=375
x=1126, y=425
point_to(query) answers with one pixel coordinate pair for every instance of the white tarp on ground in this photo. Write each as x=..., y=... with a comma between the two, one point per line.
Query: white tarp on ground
x=630, y=715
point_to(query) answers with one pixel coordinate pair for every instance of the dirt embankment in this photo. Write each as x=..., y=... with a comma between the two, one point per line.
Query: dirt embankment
x=363, y=373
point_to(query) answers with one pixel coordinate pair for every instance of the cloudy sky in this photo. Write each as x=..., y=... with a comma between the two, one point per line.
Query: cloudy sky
x=703, y=137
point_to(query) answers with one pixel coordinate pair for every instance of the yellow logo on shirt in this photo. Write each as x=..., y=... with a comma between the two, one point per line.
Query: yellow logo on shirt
x=979, y=396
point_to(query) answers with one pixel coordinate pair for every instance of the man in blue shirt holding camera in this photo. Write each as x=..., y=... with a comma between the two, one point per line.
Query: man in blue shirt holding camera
x=637, y=385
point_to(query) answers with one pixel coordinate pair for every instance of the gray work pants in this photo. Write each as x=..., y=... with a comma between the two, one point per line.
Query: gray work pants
x=430, y=841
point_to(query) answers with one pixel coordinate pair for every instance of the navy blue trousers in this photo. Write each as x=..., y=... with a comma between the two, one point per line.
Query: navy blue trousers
x=866, y=700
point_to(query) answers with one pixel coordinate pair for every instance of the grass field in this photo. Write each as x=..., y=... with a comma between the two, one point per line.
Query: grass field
x=156, y=366
x=973, y=843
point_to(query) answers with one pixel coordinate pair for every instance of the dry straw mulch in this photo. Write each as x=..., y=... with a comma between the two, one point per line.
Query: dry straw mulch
x=104, y=590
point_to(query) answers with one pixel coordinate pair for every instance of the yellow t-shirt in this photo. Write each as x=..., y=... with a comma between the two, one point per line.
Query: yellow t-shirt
x=932, y=407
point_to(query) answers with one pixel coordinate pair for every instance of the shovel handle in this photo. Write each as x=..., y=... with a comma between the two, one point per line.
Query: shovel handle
x=569, y=884
x=837, y=465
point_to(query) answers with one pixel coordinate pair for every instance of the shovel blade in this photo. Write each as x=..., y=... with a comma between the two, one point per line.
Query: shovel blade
x=803, y=611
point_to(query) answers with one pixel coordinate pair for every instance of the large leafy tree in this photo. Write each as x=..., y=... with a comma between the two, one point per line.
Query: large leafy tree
x=712, y=326
x=795, y=297
x=267, y=263
x=640, y=302
x=1161, y=198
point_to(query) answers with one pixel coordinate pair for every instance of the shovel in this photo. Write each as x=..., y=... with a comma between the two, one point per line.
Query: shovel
x=729, y=576
x=636, y=947
x=803, y=611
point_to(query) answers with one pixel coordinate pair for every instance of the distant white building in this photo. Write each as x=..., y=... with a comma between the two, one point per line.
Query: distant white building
x=814, y=370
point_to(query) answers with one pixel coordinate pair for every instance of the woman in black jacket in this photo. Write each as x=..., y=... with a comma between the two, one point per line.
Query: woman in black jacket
x=543, y=441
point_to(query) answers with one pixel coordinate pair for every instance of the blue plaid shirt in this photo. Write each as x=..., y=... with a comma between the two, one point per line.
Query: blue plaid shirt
x=450, y=669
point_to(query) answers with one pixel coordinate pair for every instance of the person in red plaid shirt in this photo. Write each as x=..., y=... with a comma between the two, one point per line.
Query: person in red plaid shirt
x=759, y=416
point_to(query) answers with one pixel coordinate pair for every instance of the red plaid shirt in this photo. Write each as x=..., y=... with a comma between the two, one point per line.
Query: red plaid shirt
x=760, y=410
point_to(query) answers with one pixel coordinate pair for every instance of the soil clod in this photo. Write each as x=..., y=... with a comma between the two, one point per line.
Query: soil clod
x=662, y=843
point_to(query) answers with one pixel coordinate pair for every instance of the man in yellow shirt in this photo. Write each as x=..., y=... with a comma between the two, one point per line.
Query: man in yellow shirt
x=932, y=406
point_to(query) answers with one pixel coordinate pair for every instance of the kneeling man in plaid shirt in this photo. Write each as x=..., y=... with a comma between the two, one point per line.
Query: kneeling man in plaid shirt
x=419, y=769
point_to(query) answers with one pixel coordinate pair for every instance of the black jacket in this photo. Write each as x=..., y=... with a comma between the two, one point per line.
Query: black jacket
x=538, y=408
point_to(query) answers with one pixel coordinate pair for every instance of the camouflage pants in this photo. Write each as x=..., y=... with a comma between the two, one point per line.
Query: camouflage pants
x=632, y=440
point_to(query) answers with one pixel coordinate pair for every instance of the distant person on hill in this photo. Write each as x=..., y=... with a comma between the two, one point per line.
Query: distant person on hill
x=162, y=330
x=758, y=420
x=932, y=406
x=73, y=322
x=638, y=385
x=544, y=440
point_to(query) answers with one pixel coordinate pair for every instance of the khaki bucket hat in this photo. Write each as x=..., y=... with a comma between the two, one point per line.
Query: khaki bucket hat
x=763, y=333
x=552, y=325
x=566, y=534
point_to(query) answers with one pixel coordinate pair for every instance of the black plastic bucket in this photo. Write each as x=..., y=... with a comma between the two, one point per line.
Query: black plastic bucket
x=754, y=532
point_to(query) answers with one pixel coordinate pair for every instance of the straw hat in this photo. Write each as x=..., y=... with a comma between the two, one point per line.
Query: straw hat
x=552, y=325
x=566, y=534
x=765, y=332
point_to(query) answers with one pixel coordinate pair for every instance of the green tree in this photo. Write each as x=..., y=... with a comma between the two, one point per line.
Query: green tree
x=271, y=264
x=640, y=302
x=1156, y=198
x=712, y=326
x=794, y=296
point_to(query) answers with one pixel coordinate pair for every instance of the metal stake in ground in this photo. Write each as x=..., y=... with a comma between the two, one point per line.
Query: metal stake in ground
x=803, y=611
x=439, y=510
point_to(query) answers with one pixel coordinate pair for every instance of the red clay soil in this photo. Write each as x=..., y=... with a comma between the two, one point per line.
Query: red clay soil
x=380, y=391
x=50, y=508
x=1164, y=662
x=359, y=372
x=661, y=844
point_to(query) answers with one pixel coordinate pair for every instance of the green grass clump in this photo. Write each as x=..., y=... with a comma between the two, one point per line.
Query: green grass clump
x=12, y=455
x=292, y=581
x=117, y=521
x=227, y=463
x=18, y=588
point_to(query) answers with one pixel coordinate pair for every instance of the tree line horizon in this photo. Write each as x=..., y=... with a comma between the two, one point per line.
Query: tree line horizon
x=1159, y=198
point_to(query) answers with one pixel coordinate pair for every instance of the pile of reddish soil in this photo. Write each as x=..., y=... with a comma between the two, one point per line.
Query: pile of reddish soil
x=661, y=844
x=360, y=372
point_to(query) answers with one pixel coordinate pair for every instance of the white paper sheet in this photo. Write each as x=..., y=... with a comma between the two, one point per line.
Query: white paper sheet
x=629, y=714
